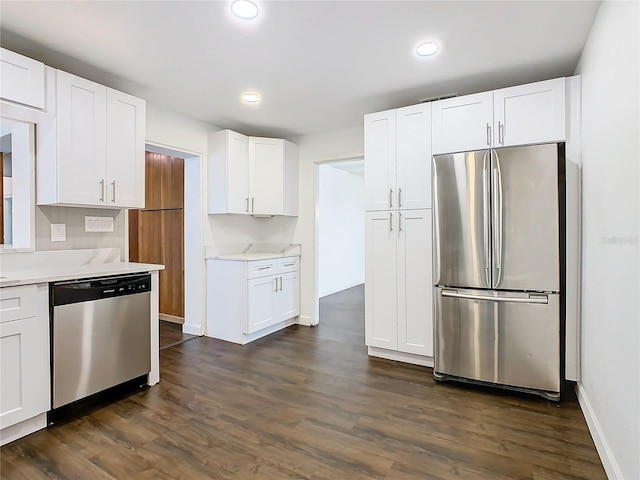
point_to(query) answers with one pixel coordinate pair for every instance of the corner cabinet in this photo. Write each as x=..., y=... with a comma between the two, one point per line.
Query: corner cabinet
x=24, y=360
x=520, y=115
x=398, y=285
x=92, y=152
x=247, y=300
x=252, y=175
x=397, y=151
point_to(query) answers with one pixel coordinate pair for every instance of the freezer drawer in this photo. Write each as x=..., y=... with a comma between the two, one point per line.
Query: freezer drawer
x=505, y=338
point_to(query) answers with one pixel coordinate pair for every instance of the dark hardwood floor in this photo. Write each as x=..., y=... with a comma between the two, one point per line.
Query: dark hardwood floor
x=307, y=403
x=171, y=335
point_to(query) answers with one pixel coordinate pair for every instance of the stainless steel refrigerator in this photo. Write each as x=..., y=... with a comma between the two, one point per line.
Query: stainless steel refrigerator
x=497, y=267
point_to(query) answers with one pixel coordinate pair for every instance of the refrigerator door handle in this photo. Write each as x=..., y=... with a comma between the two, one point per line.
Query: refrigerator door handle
x=496, y=192
x=485, y=213
x=533, y=297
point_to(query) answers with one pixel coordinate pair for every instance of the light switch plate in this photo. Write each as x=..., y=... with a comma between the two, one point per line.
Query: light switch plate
x=98, y=224
x=58, y=232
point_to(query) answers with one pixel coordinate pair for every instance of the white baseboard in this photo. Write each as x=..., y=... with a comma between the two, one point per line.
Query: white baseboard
x=306, y=321
x=26, y=427
x=611, y=467
x=192, y=328
x=400, y=356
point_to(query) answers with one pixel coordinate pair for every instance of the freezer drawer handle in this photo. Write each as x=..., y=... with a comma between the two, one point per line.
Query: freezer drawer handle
x=533, y=298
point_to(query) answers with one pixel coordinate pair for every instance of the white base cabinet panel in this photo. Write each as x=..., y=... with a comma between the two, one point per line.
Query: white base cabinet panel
x=398, y=285
x=24, y=360
x=247, y=300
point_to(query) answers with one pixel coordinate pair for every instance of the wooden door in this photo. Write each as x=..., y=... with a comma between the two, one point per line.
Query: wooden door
x=156, y=233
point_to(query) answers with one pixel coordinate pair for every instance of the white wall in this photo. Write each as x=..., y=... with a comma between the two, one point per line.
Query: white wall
x=340, y=144
x=179, y=133
x=340, y=230
x=609, y=391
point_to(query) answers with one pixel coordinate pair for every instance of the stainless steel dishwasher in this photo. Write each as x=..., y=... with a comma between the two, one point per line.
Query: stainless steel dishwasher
x=101, y=340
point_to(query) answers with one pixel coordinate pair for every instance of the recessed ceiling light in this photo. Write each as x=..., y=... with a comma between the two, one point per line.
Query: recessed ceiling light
x=251, y=97
x=427, y=49
x=244, y=9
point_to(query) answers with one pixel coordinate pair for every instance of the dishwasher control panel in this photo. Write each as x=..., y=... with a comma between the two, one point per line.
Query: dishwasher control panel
x=74, y=291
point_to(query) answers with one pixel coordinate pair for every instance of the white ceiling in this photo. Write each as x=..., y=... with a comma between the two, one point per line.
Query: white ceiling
x=319, y=65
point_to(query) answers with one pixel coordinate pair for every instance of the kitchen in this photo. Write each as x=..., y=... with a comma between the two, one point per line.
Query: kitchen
x=615, y=435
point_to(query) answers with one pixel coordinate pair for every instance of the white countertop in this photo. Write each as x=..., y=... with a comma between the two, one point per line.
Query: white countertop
x=59, y=273
x=252, y=256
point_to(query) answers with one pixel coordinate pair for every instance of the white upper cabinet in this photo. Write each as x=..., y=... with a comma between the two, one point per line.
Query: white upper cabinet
x=462, y=124
x=125, y=149
x=81, y=141
x=92, y=152
x=380, y=160
x=522, y=115
x=252, y=175
x=22, y=79
x=228, y=172
x=413, y=156
x=397, y=158
x=533, y=113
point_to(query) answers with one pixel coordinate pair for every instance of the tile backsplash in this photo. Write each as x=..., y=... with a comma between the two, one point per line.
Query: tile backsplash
x=77, y=238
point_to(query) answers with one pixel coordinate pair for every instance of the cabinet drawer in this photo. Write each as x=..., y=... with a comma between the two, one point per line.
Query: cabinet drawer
x=288, y=264
x=18, y=302
x=261, y=268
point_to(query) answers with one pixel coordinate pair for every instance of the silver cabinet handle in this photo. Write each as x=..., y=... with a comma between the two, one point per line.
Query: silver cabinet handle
x=399, y=222
x=488, y=134
x=500, y=133
x=390, y=222
x=533, y=298
x=246, y=200
x=280, y=283
x=113, y=185
x=288, y=264
x=399, y=198
x=264, y=268
x=390, y=198
x=102, y=190
x=276, y=287
x=252, y=204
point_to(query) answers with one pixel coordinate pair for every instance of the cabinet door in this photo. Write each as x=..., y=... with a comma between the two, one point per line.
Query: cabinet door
x=21, y=79
x=24, y=369
x=261, y=293
x=380, y=160
x=287, y=300
x=228, y=172
x=415, y=318
x=266, y=175
x=532, y=113
x=82, y=140
x=291, y=179
x=381, y=325
x=462, y=124
x=125, y=150
x=413, y=162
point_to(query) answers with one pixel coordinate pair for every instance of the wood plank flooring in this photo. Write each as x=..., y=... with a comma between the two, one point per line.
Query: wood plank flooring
x=307, y=403
x=171, y=335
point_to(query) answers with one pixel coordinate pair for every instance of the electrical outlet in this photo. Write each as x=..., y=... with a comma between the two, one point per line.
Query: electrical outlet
x=98, y=224
x=58, y=232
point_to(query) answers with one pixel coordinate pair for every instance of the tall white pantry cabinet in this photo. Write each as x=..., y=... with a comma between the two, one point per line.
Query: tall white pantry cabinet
x=398, y=249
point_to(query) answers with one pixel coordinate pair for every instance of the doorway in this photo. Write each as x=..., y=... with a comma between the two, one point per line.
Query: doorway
x=340, y=231
x=156, y=232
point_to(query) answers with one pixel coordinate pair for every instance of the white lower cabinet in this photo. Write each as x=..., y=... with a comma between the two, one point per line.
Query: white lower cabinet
x=247, y=300
x=25, y=394
x=398, y=284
